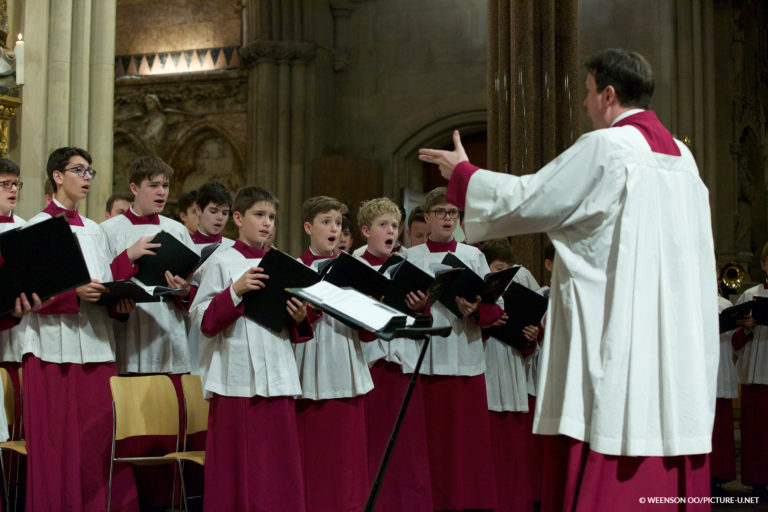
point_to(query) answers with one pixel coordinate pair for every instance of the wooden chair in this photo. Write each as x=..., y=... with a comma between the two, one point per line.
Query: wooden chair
x=196, y=414
x=15, y=444
x=145, y=406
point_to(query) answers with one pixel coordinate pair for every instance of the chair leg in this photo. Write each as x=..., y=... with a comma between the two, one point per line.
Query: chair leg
x=17, y=480
x=173, y=490
x=6, y=477
x=183, y=486
x=109, y=488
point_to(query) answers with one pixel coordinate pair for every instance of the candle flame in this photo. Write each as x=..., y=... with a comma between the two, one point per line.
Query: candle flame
x=19, y=36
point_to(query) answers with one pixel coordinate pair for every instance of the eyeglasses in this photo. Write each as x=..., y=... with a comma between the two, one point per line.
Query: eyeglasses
x=82, y=171
x=8, y=184
x=440, y=213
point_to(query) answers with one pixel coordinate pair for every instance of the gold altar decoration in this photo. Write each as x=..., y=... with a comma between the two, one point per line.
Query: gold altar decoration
x=8, y=106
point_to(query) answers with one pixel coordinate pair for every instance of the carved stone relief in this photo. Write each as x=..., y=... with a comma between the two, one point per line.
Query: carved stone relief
x=195, y=123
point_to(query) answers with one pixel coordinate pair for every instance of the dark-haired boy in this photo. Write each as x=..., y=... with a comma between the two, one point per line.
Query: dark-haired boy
x=418, y=229
x=334, y=377
x=453, y=375
x=117, y=203
x=213, y=205
x=187, y=211
x=154, y=338
x=68, y=352
x=249, y=374
x=507, y=389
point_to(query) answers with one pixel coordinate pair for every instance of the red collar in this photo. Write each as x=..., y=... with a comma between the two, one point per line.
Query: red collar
x=201, y=238
x=4, y=219
x=449, y=246
x=142, y=219
x=374, y=260
x=308, y=257
x=73, y=218
x=655, y=133
x=248, y=251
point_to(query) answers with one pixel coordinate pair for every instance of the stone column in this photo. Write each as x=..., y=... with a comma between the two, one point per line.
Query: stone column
x=100, y=102
x=277, y=55
x=67, y=96
x=533, y=99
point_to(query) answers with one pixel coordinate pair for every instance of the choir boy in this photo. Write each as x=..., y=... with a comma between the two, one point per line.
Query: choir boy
x=249, y=375
x=154, y=338
x=628, y=370
x=722, y=460
x=117, y=204
x=345, y=239
x=751, y=344
x=10, y=189
x=188, y=212
x=407, y=484
x=68, y=352
x=418, y=229
x=453, y=375
x=213, y=205
x=507, y=389
x=334, y=379
x=398, y=248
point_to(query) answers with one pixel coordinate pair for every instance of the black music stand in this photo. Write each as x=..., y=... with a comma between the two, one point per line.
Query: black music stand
x=396, y=328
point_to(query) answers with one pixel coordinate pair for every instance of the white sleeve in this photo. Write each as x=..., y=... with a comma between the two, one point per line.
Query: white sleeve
x=573, y=187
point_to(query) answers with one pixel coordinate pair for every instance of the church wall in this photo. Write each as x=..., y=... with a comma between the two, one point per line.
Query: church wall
x=410, y=65
x=148, y=26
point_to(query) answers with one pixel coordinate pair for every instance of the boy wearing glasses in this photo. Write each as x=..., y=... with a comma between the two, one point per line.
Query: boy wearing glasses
x=68, y=352
x=453, y=371
x=10, y=187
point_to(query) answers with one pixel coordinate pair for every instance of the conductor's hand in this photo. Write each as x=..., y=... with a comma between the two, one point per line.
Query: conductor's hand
x=177, y=282
x=141, y=247
x=417, y=301
x=747, y=323
x=530, y=332
x=467, y=308
x=22, y=306
x=297, y=309
x=125, y=306
x=92, y=291
x=252, y=279
x=446, y=160
x=501, y=321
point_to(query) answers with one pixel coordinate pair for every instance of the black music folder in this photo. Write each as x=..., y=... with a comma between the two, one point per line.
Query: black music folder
x=129, y=289
x=461, y=281
x=172, y=255
x=267, y=306
x=43, y=258
x=524, y=307
x=405, y=277
x=348, y=271
x=757, y=307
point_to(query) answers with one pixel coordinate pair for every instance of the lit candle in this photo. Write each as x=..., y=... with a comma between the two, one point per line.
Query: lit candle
x=18, y=50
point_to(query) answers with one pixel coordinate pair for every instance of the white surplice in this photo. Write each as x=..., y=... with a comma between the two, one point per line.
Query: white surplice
x=86, y=337
x=10, y=339
x=727, y=381
x=752, y=358
x=505, y=374
x=154, y=339
x=245, y=359
x=461, y=353
x=630, y=354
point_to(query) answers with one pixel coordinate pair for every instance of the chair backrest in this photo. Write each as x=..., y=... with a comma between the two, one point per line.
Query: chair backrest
x=196, y=405
x=144, y=406
x=9, y=401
